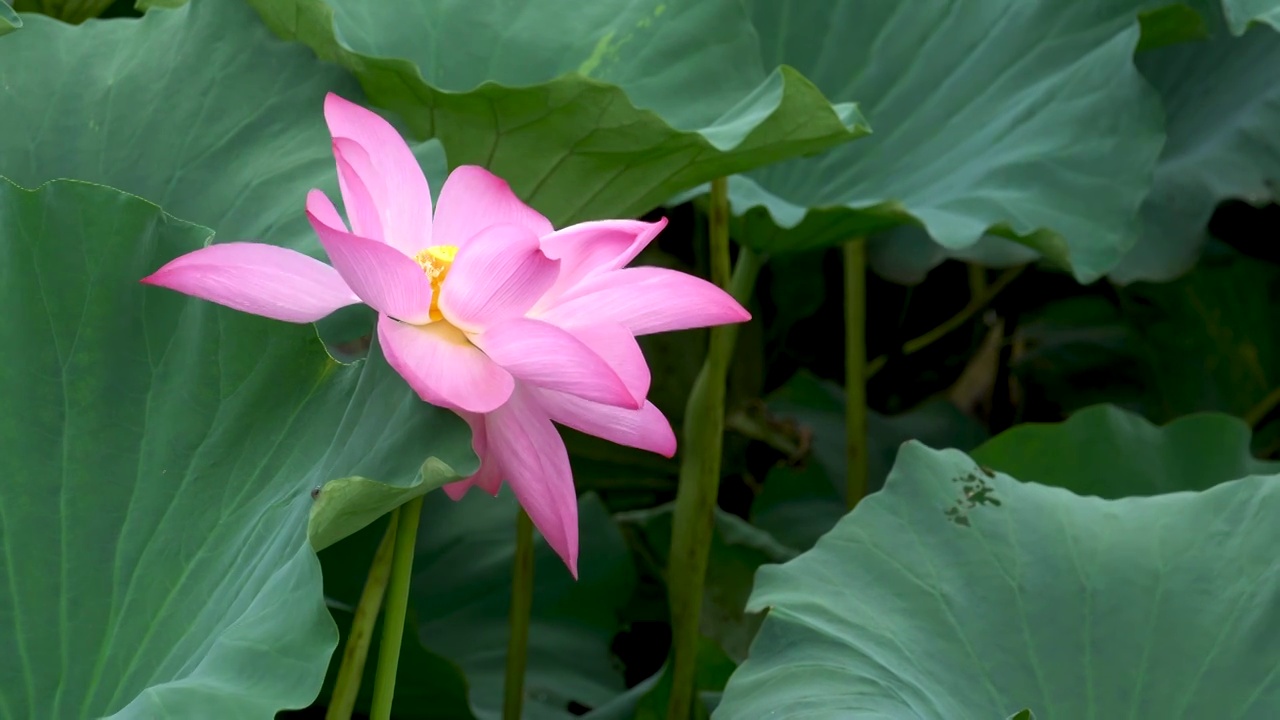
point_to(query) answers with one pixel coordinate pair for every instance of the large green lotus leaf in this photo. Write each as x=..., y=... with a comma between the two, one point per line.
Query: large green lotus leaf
x=462, y=594
x=1211, y=340
x=1079, y=351
x=1207, y=341
x=348, y=504
x=160, y=455
x=802, y=501
x=952, y=594
x=906, y=254
x=590, y=110
x=737, y=549
x=1191, y=20
x=648, y=699
x=1241, y=13
x=9, y=20
x=1172, y=24
x=980, y=124
x=1223, y=119
x=1111, y=453
x=200, y=110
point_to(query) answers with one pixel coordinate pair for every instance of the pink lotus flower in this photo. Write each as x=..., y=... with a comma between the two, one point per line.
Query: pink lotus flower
x=484, y=308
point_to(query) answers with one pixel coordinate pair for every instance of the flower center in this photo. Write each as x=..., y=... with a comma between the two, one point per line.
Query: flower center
x=436, y=261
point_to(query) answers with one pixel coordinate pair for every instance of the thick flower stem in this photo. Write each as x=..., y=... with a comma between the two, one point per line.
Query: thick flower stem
x=855, y=368
x=354, y=653
x=700, y=465
x=384, y=684
x=521, y=605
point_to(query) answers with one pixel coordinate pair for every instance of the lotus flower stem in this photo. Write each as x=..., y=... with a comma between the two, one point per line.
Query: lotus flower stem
x=521, y=605
x=384, y=685
x=700, y=466
x=1259, y=412
x=855, y=369
x=354, y=653
x=982, y=295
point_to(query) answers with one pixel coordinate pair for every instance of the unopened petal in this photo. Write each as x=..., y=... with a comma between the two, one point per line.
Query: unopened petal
x=499, y=275
x=596, y=246
x=357, y=196
x=536, y=465
x=647, y=300
x=261, y=279
x=385, y=278
x=443, y=367
x=646, y=428
x=321, y=206
x=388, y=170
x=547, y=356
x=473, y=199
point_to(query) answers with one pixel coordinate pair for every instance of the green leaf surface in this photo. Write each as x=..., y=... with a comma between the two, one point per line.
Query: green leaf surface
x=159, y=454
x=1207, y=341
x=1080, y=351
x=200, y=110
x=796, y=287
x=428, y=686
x=712, y=672
x=1171, y=25
x=1211, y=340
x=345, y=505
x=1110, y=453
x=648, y=699
x=1223, y=118
x=979, y=125
x=462, y=590
x=1241, y=13
x=593, y=110
x=9, y=20
x=906, y=254
x=802, y=501
x=627, y=705
x=737, y=550
x=954, y=595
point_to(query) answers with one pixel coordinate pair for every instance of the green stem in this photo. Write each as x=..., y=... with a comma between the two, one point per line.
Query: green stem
x=351, y=671
x=521, y=605
x=384, y=683
x=700, y=464
x=75, y=12
x=71, y=11
x=1260, y=411
x=977, y=302
x=93, y=10
x=855, y=370
x=977, y=279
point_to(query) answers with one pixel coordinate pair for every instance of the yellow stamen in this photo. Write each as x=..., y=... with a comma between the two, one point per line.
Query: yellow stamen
x=436, y=261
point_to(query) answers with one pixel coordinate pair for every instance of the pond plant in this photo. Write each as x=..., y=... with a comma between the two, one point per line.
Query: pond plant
x=812, y=359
